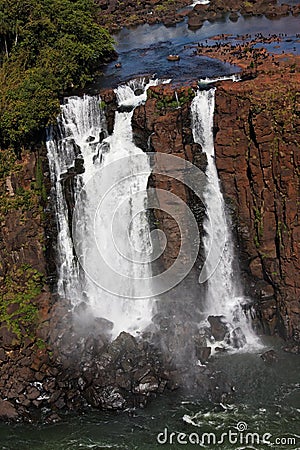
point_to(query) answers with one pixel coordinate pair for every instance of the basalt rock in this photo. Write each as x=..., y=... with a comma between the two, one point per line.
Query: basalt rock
x=145, y=11
x=257, y=128
x=269, y=357
x=7, y=410
x=108, y=97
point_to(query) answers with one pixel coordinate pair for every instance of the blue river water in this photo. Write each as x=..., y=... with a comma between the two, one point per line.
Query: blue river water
x=144, y=50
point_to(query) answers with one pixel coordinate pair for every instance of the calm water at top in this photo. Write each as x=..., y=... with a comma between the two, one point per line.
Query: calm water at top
x=144, y=50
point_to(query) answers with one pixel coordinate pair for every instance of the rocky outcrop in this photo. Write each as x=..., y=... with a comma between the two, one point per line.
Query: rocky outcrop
x=112, y=14
x=48, y=356
x=24, y=278
x=163, y=125
x=216, y=9
x=257, y=125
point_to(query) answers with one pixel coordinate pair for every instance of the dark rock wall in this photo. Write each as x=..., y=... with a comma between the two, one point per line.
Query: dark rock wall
x=257, y=125
x=163, y=125
x=25, y=298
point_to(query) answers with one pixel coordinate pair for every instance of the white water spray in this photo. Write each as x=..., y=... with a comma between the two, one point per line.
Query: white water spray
x=235, y=78
x=80, y=126
x=224, y=295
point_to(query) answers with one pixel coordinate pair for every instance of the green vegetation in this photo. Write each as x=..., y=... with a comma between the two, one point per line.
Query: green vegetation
x=16, y=307
x=170, y=101
x=46, y=48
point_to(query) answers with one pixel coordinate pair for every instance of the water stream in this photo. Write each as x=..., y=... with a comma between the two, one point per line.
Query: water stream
x=266, y=399
x=224, y=294
x=98, y=190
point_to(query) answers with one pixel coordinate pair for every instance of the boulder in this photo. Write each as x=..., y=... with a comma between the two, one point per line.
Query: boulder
x=219, y=328
x=269, y=357
x=203, y=353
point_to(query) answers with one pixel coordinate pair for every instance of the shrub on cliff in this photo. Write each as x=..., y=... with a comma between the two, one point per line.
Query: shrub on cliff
x=45, y=49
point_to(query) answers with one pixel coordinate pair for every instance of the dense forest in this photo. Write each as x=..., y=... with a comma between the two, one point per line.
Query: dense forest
x=46, y=49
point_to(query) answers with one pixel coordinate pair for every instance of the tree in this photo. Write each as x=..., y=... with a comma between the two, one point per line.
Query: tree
x=46, y=48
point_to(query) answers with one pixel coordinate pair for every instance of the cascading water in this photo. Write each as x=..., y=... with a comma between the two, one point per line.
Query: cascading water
x=81, y=127
x=200, y=2
x=224, y=295
x=207, y=80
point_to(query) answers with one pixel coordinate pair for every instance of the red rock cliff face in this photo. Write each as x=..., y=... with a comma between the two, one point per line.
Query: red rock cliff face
x=163, y=125
x=257, y=143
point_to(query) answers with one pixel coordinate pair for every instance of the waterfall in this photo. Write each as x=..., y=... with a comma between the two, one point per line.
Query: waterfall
x=207, y=80
x=81, y=140
x=224, y=294
x=200, y=2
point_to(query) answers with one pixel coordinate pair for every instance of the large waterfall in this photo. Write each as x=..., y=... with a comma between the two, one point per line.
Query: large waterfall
x=224, y=294
x=100, y=189
x=80, y=140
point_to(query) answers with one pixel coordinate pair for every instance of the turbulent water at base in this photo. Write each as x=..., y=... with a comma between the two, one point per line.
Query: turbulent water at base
x=224, y=294
x=81, y=139
x=266, y=399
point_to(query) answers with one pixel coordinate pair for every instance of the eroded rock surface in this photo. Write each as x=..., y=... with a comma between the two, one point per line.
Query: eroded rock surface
x=257, y=125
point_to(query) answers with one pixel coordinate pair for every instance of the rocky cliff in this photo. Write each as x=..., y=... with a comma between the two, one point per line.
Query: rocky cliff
x=45, y=360
x=257, y=125
x=163, y=125
x=24, y=278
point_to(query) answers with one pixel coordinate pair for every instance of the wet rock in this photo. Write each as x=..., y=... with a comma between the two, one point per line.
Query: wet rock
x=234, y=17
x=125, y=108
x=108, y=96
x=267, y=311
x=53, y=418
x=219, y=329
x=195, y=21
x=237, y=338
x=8, y=339
x=203, y=354
x=138, y=92
x=148, y=384
x=269, y=357
x=107, y=398
x=295, y=349
x=221, y=349
x=7, y=411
